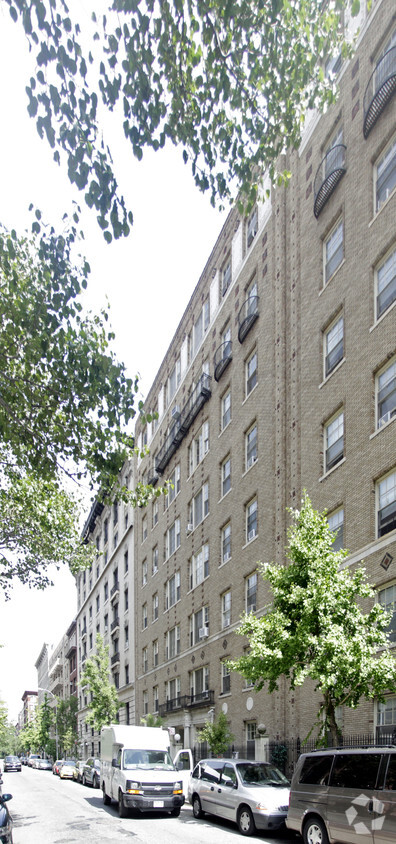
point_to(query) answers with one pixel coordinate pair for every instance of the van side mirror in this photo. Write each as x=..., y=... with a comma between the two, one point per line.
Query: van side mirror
x=115, y=763
x=5, y=797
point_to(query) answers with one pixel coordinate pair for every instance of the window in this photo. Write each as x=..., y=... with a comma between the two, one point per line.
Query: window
x=172, y=538
x=173, y=691
x=226, y=543
x=333, y=345
x=145, y=703
x=226, y=410
x=251, y=373
x=106, y=591
x=126, y=600
x=155, y=698
x=251, y=520
x=252, y=227
x=386, y=394
x=199, y=506
x=251, y=446
x=126, y=562
x=199, y=566
x=105, y=531
x=155, y=606
x=144, y=572
x=172, y=590
x=144, y=616
x=144, y=528
x=333, y=250
x=155, y=512
x=201, y=325
x=155, y=653
x=385, y=278
x=172, y=642
x=387, y=504
x=334, y=441
x=199, y=625
x=387, y=599
x=387, y=713
x=198, y=448
x=251, y=592
x=332, y=154
x=385, y=175
x=174, y=380
x=126, y=674
x=145, y=660
x=226, y=609
x=155, y=559
x=333, y=66
x=174, y=486
x=126, y=636
x=226, y=476
x=199, y=684
x=225, y=678
x=336, y=524
x=226, y=276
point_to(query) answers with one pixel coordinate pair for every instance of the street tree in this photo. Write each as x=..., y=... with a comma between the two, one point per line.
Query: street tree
x=44, y=723
x=229, y=82
x=323, y=624
x=66, y=723
x=151, y=720
x=217, y=735
x=102, y=695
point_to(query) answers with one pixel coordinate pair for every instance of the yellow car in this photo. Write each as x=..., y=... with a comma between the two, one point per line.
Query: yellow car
x=67, y=768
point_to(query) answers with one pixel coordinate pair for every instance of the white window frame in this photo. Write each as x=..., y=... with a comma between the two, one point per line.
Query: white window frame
x=225, y=678
x=333, y=345
x=251, y=227
x=155, y=559
x=385, y=277
x=251, y=374
x=251, y=520
x=386, y=162
x=226, y=476
x=386, y=498
x=155, y=512
x=155, y=653
x=172, y=642
x=201, y=325
x=336, y=524
x=198, y=448
x=334, y=430
x=226, y=606
x=145, y=660
x=226, y=409
x=251, y=589
x=173, y=538
x=387, y=599
x=226, y=535
x=174, y=380
x=144, y=528
x=251, y=448
x=385, y=393
x=199, y=681
x=199, y=566
x=173, y=689
x=226, y=276
x=155, y=606
x=199, y=506
x=155, y=698
x=174, y=486
x=199, y=621
x=172, y=590
x=333, y=250
x=144, y=572
x=383, y=708
x=144, y=616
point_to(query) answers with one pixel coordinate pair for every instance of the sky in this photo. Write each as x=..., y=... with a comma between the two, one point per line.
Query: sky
x=147, y=279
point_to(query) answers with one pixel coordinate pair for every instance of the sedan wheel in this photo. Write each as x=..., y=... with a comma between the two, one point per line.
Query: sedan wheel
x=245, y=821
x=196, y=807
x=314, y=832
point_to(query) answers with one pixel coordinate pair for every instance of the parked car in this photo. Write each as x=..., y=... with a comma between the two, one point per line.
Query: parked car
x=23, y=760
x=32, y=758
x=43, y=764
x=5, y=819
x=12, y=763
x=66, y=769
x=56, y=766
x=345, y=795
x=255, y=795
x=78, y=769
x=91, y=772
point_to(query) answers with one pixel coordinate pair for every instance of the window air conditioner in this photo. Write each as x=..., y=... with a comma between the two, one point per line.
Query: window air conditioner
x=226, y=557
x=203, y=632
x=175, y=411
x=251, y=534
x=386, y=417
x=190, y=527
x=251, y=461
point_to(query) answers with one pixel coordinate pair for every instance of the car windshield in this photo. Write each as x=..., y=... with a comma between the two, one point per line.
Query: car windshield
x=70, y=762
x=261, y=774
x=157, y=759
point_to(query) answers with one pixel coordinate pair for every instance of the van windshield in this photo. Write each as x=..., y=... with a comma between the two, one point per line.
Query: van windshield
x=261, y=774
x=148, y=759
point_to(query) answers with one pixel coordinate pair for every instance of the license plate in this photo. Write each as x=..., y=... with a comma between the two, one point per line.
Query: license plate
x=158, y=804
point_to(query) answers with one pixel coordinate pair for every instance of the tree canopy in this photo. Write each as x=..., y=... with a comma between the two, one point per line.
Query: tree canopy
x=229, y=82
x=323, y=623
x=103, y=704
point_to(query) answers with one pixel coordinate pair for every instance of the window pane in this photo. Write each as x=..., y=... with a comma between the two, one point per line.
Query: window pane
x=386, y=283
x=386, y=175
x=387, y=394
x=334, y=250
x=334, y=345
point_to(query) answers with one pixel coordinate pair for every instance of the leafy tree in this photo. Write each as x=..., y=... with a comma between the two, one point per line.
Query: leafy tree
x=229, y=82
x=29, y=738
x=44, y=722
x=317, y=627
x=66, y=723
x=150, y=720
x=103, y=705
x=217, y=735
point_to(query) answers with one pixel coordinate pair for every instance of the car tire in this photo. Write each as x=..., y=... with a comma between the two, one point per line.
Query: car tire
x=106, y=798
x=196, y=807
x=95, y=781
x=175, y=813
x=245, y=821
x=84, y=782
x=314, y=832
x=122, y=810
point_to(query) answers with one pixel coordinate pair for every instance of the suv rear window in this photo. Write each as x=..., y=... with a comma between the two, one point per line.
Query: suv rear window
x=357, y=770
x=316, y=770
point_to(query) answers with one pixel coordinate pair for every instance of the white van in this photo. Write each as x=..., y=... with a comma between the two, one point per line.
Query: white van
x=137, y=771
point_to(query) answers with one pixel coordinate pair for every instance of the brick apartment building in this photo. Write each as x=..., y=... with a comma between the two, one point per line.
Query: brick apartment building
x=280, y=377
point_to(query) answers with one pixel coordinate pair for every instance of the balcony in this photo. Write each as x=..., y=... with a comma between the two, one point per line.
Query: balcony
x=186, y=702
x=115, y=625
x=152, y=476
x=199, y=395
x=170, y=706
x=247, y=316
x=84, y=631
x=115, y=591
x=115, y=660
x=201, y=698
x=223, y=356
x=329, y=173
x=380, y=89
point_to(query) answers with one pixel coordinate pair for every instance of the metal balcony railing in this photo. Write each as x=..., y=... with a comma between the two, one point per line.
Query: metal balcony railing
x=223, y=356
x=186, y=701
x=114, y=590
x=115, y=659
x=380, y=89
x=199, y=395
x=171, y=705
x=247, y=316
x=329, y=173
x=114, y=625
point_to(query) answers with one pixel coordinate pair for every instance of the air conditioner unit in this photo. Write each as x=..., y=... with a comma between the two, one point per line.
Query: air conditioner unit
x=226, y=556
x=190, y=527
x=251, y=461
x=387, y=417
x=203, y=632
x=175, y=411
x=251, y=534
